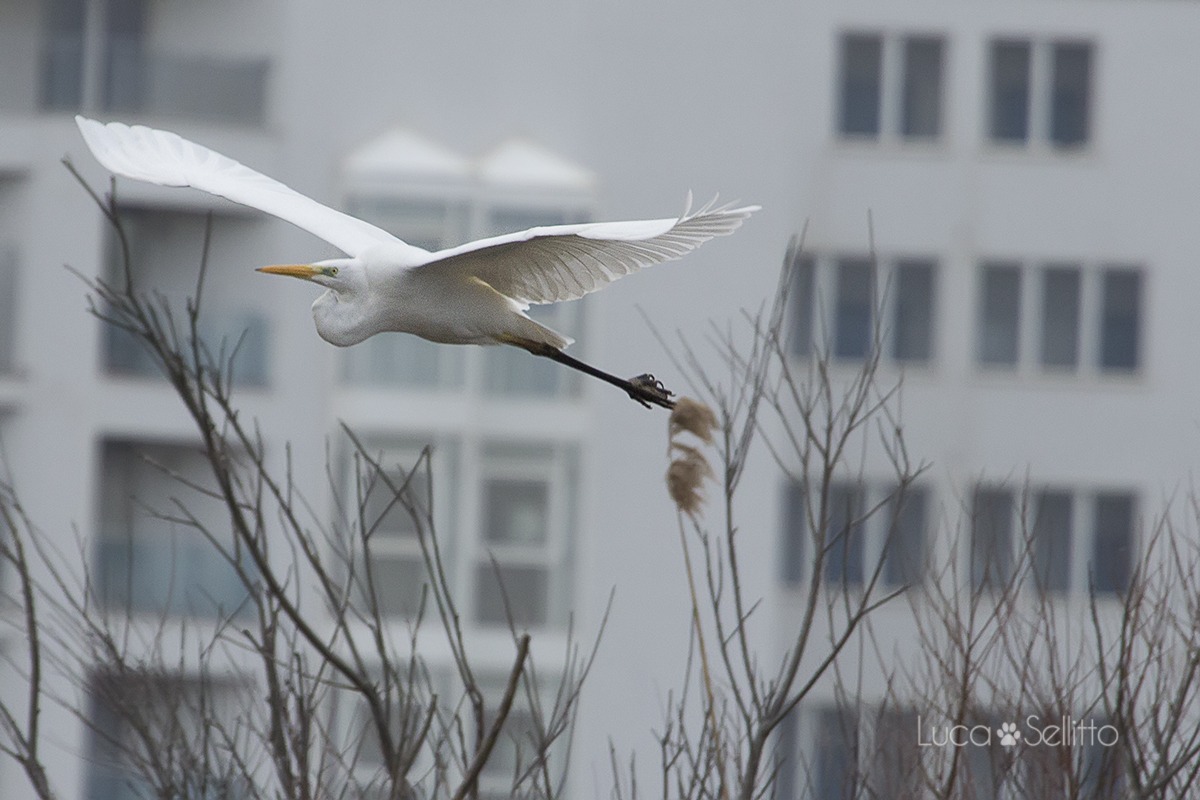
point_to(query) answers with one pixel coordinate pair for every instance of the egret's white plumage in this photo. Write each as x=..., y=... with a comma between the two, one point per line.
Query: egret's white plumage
x=476, y=293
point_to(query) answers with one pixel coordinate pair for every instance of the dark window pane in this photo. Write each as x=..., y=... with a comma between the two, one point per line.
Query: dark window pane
x=854, y=317
x=516, y=511
x=8, y=307
x=837, y=754
x=904, y=558
x=1000, y=301
x=895, y=767
x=383, y=513
x=991, y=538
x=804, y=302
x=913, y=340
x=844, y=537
x=795, y=533
x=523, y=590
x=1060, y=317
x=862, y=60
x=1051, y=544
x=1120, y=319
x=788, y=756
x=124, y=56
x=397, y=585
x=921, y=112
x=1112, y=542
x=1070, y=102
x=61, y=73
x=1010, y=91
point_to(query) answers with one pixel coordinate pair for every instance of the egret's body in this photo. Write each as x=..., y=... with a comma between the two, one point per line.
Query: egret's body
x=476, y=293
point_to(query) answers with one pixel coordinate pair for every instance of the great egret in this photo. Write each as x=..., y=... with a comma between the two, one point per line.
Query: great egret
x=476, y=293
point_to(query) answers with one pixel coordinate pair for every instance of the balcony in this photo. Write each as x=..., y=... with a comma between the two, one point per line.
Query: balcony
x=123, y=76
x=240, y=334
x=166, y=572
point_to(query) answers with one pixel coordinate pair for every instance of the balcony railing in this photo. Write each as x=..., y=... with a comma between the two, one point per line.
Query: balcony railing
x=166, y=572
x=133, y=79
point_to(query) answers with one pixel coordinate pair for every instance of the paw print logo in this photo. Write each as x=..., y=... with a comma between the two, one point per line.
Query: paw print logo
x=1009, y=734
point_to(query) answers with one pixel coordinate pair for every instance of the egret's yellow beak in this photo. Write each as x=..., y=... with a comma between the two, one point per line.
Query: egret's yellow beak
x=304, y=271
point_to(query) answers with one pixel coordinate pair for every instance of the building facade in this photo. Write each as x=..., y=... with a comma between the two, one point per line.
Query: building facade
x=998, y=197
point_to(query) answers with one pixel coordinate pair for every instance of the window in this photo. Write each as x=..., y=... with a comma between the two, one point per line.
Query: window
x=516, y=748
x=1069, y=103
x=914, y=289
x=991, y=538
x=836, y=754
x=1010, y=91
x=921, y=109
x=853, y=751
x=148, y=731
x=999, y=313
x=1051, y=548
x=904, y=547
x=8, y=307
x=398, y=573
x=1040, y=91
x=146, y=562
x=100, y=56
x=504, y=517
x=1120, y=317
x=838, y=308
x=1112, y=542
x=525, y=511
x=894, y=533
x=62, y=54
x=895, y=768
x=854, y=328
x=862, y=85
x=844, y=537
x=1061, y=317
x=890, y=87
x=1061, y=525
x=804, y=300
x=166, y=248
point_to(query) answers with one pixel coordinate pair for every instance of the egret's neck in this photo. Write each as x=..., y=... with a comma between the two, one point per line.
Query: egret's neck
x=340, y=321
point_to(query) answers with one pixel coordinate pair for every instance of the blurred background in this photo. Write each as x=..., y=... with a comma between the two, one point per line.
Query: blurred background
x=1020, y=174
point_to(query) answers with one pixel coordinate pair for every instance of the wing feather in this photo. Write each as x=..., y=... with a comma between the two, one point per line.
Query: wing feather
x=564, y=262
x=167, y=159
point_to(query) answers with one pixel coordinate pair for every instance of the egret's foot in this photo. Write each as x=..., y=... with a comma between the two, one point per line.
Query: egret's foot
x=649, y=389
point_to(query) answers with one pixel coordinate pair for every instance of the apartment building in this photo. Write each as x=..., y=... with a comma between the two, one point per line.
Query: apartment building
x=1018, y=176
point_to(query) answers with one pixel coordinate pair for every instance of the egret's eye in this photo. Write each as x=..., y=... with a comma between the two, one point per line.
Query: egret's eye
x=331, y=271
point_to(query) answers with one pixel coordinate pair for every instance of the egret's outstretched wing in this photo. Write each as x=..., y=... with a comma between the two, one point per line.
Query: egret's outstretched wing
x=165, y=158
x=565, y=262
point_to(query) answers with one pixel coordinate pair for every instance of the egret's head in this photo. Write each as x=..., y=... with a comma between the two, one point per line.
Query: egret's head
x=344, y=314
x=338, y=274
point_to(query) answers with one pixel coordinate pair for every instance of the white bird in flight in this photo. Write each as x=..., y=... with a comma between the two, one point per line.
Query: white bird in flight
x=476, y=293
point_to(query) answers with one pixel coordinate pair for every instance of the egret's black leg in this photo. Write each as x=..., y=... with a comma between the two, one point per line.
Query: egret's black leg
x=645, y=388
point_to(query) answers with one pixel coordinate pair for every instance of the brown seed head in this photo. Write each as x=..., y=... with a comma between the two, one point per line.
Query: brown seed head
x=694, y=417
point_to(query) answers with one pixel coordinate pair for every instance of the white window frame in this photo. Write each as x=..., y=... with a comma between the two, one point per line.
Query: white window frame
x=872, y=495
x=393, y=453
x=558, y=468
x=823, y=304
x=893, y=45
x=1081, y=538
x=1031, y=322
x=1038, y=136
